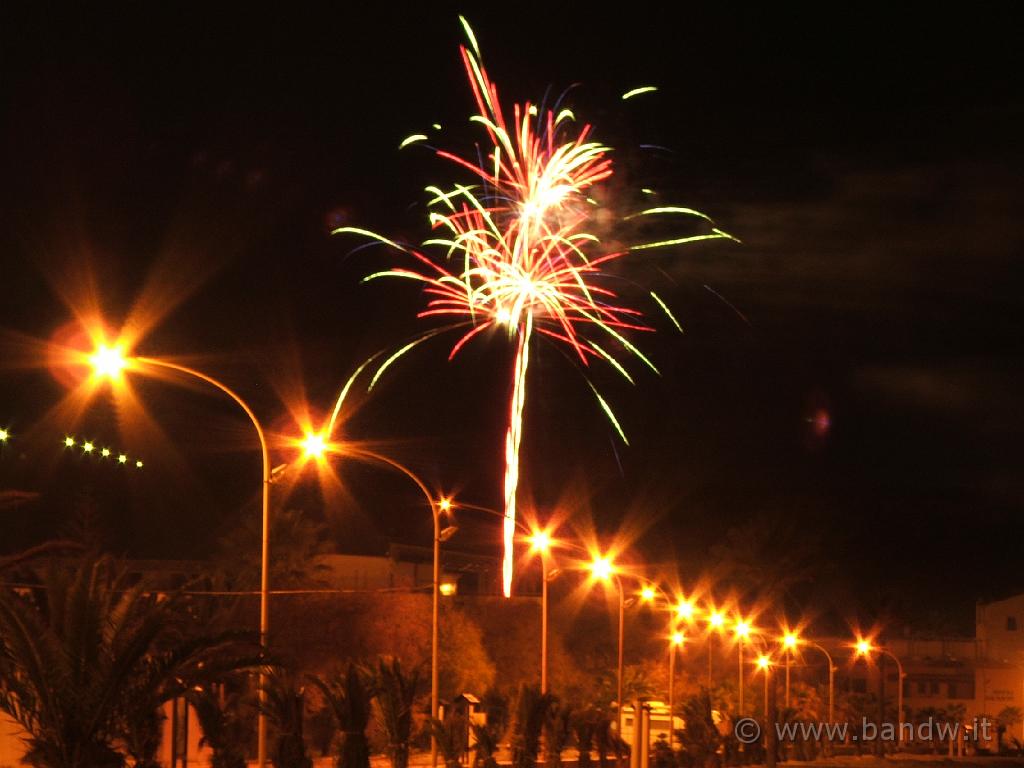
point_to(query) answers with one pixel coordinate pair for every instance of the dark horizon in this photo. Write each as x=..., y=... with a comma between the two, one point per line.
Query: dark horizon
x=847, y=374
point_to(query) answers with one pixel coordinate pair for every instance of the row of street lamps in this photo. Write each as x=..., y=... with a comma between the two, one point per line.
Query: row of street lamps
x=109, y=362
x=684, y=612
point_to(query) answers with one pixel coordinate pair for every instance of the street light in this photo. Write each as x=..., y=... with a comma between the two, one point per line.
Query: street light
x=742, y=632
x=540, y=542
x=603, y=569
x=316, y=446
x=789, y=642
x=792, y=640
x=764, y=663
x=865, y=648
x=675, y=642
x=685, y=610
x=110, y=363
x=716, y=621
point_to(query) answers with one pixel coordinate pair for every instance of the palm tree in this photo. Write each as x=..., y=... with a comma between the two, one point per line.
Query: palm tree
x=348, y=696
x=486, y=738
x=531, y=711
x=700, y=737
x=285, y=705
x=557, y=730
x=87, y=660
x=225, y=730
x=394, y=695
x=603, y=738
x=583, y=725
x=450, y=735
x=1005, y=720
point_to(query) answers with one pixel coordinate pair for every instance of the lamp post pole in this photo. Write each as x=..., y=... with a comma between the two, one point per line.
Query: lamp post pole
x=434, y=627
x=789, y=664
x=619, y=675
x=439, y=536
x=711, y=638
x=739, y=646
x=672, y=650
x=831, y=681
x=864, y=648
x=544, y=622
x=899, y=694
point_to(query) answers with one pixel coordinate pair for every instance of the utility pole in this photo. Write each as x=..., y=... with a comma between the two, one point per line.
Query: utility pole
x=771, y=715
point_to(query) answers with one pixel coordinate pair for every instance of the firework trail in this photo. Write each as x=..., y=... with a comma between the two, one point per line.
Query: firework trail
x=515, y=249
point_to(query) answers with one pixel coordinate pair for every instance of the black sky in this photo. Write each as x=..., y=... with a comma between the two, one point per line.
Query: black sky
x=870, y=162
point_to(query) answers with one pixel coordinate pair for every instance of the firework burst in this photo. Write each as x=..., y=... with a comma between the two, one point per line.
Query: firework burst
x=515, y=248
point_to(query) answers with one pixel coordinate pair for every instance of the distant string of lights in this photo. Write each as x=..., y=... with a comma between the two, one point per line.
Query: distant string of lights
x=88, y=448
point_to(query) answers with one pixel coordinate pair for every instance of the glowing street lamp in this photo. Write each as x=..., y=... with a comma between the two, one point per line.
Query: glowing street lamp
x=4, y=435
x=108, y=362
x=685, y=610
x=69, y=442
x=540, y=541
x=88, y=447
x=648, y=593
x=122, y=459
x=314, y=446
x=602, y=569
x=865, y=648
x=105, y=453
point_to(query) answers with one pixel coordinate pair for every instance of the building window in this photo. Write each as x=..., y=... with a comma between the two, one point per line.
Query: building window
x=962, y=689
x=1011, y=623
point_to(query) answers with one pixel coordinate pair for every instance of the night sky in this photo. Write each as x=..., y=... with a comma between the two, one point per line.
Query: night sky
x=849, y=373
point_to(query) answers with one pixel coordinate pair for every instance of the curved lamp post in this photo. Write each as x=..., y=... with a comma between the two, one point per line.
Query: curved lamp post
x=831, y=669
x=865, y=648
x=603, y=569
x=109, y=362
x=316, y=445
x=716, y=623
x=541, y=542
x=742, y=632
